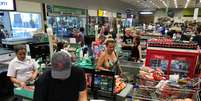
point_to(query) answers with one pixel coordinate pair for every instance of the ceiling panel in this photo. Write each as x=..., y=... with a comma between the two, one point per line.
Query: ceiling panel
x=148, y=4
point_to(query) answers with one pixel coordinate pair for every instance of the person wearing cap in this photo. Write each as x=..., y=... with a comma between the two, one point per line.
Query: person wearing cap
x=63, y=82
x=22, y=68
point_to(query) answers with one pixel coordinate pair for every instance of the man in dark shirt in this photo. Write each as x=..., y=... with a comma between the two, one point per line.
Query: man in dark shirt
x=63, y=82
x=197, y=37
x=127, y=40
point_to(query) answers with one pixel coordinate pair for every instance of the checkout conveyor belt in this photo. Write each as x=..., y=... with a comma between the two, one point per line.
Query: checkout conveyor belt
x=6, y=55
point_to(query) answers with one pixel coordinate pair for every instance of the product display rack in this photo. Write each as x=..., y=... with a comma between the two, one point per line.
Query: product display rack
x=173, y=60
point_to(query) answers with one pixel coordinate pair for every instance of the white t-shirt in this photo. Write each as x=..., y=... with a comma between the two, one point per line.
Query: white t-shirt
x=22, y=70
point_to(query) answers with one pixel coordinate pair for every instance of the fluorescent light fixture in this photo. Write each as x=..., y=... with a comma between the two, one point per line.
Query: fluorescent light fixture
x=187, y=2
x=146, y=12
x=175, y=3
x=164, y=3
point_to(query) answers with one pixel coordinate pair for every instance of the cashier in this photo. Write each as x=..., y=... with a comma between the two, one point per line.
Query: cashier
x=108, y=59
x=22, y=69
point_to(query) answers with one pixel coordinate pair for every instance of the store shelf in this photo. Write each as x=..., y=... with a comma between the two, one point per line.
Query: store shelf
x=173, y=49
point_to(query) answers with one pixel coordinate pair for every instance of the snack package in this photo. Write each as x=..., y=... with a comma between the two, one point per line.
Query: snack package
x=119, y=85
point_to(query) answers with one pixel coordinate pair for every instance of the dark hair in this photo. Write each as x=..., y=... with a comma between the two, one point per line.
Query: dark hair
x=19, y=47
x=137, y=40
x=81, y=29
x=60, y=45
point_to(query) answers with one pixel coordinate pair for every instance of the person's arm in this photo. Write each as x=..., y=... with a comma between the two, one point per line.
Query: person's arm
x=140, y=52
x=20, y=83
x=35, y=70
x=101, y=62
x=34, y=74
x=83, y=95
x=82, y=87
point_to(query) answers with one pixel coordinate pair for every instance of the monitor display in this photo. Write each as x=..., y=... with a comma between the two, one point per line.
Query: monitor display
x=9, y=5
x=23, y=24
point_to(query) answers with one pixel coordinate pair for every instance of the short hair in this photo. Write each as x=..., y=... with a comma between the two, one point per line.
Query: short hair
x=81, y=29
x=110, y=40
x=137, y=39
x=19, y=47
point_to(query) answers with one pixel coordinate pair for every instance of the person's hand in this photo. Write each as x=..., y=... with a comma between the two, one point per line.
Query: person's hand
x=33, y=77
x=23, y=84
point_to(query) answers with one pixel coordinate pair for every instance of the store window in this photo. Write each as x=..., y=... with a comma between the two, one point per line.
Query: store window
x=23, y=24
x=63, y=25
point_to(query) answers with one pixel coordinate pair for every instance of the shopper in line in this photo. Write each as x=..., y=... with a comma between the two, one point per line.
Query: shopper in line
x=63, y=82
x=197, y=37
x=98, y=46
x=127, y=39
x=108, y=60
x=22, y=68
x=78, y=36
x=136, y=52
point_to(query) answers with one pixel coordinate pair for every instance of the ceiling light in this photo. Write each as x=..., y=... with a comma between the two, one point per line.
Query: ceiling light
x=175, y=3
x=187, y=2
x=146, y=12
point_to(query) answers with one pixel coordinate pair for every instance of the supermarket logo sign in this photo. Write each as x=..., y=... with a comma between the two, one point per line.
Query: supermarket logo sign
x=3, y=3
x=7, y=4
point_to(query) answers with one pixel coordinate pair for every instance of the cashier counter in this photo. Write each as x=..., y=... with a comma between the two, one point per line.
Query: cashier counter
x=5, y=57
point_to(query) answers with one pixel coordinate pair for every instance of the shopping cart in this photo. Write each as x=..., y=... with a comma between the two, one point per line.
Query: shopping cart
x=145, y=93
x=150, y=90
x=144, y=89
x=170, y=91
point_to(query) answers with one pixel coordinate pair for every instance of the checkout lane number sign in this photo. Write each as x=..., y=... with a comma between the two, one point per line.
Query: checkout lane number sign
x=7, y=5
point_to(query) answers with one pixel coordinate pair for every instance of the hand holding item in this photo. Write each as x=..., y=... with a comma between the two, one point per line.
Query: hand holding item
x=33, y=77
x=23, y=84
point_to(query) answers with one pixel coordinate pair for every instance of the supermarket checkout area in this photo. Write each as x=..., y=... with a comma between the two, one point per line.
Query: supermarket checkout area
x=93, y=89
x=86, y=64
x=97, y=91
x=129, y=68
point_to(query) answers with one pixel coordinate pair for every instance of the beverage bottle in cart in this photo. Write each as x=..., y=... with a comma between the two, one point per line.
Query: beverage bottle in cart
x=110, y=86
x=104, y=84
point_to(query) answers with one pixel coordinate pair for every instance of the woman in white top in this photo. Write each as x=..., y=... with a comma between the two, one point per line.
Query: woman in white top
x=22, y=68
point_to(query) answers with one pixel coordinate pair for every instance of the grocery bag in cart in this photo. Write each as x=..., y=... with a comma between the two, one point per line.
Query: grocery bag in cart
x=171, y=90
x=150, y=77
